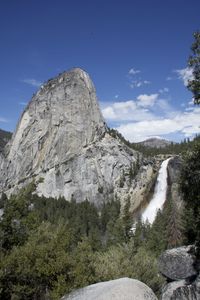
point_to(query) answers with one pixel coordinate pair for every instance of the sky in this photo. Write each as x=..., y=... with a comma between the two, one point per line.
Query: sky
x=135, y=51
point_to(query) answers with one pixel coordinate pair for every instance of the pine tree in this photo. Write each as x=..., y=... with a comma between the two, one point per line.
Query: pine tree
x=127, y=219
x=190, y=183
x=174, y=229
x=194, y=63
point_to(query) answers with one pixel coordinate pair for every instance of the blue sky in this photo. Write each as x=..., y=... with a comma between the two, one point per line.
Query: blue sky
x=135, y=52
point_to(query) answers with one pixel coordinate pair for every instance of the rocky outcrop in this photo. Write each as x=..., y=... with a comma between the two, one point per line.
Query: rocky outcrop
x=178, y=263
x=179, y=267
x=123, y=288
x=63, y=143
x=182, y=290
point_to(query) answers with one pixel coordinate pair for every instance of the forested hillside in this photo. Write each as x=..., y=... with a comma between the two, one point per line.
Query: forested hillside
x=50, y=246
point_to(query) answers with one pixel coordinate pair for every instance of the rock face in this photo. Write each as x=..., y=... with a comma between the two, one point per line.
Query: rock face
x=177, y=263
x=181, y=291
x=63, y=143
x=119, y=289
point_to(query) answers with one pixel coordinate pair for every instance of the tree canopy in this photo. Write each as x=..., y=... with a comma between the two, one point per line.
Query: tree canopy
x=194, y=63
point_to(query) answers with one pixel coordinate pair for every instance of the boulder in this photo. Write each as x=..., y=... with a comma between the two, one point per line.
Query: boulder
x=168, y=290
x=178, y=263
x=119, y=289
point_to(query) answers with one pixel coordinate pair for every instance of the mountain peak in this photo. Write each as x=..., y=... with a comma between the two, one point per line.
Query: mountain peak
x=62, y=139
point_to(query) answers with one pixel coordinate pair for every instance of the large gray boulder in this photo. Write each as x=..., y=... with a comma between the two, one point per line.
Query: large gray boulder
x=177, y=263
x=119, y=289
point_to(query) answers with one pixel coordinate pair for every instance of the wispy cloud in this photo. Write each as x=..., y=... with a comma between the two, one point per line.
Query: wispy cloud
x=169, y=78
x=136, y=81
x=164, y=90
x=3, y=120
x=23, y=103
x=185, y=75
x=31, y=81
x=133, y=71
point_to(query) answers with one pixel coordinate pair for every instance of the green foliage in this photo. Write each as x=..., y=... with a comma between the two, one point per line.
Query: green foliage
x=190, y=182
x=173, y=148
x=124, y=261
x=17, y=220
x=174, y=227
x=194, y=63
x=127, y=221
x=3, y=200
x=29, y=271
x=83, y=264
x=50, y=246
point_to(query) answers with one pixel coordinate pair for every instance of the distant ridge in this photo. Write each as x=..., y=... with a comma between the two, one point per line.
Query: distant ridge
x=155, y=143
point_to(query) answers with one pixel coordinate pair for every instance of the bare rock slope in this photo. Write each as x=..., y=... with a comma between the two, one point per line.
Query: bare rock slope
x=63, y=143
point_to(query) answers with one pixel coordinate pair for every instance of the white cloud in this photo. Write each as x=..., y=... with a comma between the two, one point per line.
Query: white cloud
x=126, y=111
x=186, y=122
x=151, y=115
x=147, y=100
x=144, y=107
x=116, y=96
x=185, y=75
x=32, y=82
x=132, y=71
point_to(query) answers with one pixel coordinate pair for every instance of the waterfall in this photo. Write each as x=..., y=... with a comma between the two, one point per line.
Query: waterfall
x=159, y=195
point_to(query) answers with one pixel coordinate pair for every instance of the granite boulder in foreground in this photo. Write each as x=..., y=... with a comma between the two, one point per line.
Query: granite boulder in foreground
x=181, y=268
x=118, y=289
x=178, y=263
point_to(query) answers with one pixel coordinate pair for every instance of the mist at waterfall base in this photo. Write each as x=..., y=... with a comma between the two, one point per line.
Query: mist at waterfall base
x=148, y=214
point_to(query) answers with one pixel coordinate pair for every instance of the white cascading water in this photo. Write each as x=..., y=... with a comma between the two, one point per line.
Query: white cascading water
x=159, y=196
x=1, y=212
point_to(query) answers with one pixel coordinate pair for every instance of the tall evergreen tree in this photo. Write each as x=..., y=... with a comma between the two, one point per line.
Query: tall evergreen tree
x=194, y=63
x=174, y=229
x=190, y=183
